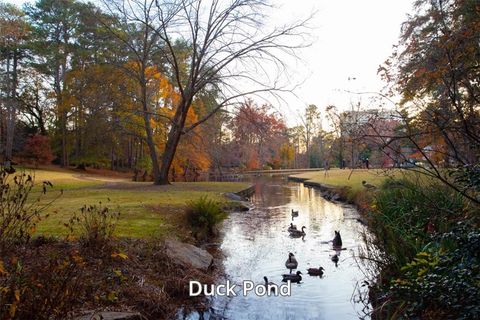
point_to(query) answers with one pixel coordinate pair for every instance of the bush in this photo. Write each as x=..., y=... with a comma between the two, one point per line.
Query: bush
x=407, y=213
x=37, y=148
x=428, y=262
x=446, y=277
x=19, y=215
x=94, y=224
x=203, y=214
x=42, y=284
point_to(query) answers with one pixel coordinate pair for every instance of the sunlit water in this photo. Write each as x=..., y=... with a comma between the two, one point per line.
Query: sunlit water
x=257, y=243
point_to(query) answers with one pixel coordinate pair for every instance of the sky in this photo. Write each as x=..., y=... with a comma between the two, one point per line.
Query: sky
x=350, y=39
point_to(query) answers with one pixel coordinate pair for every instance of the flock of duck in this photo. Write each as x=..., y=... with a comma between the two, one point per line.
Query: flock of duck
x=292, y=262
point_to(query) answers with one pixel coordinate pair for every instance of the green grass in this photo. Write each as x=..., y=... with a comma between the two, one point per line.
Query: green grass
x=146, y=210
x=341, y=178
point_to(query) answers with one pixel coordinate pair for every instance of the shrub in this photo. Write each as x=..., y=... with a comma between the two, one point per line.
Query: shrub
x=94, y=224
x=19, y=215
x=41, y=284
x=404, y=211
x=37, y=148
x=203, y=214
x=446, y=277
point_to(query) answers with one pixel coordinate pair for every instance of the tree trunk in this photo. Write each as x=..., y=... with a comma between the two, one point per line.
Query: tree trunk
x=149, y=132
x=172, y=141
x=168, y=155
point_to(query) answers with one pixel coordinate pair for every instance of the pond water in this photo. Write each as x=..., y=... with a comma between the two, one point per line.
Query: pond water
x=256, y=244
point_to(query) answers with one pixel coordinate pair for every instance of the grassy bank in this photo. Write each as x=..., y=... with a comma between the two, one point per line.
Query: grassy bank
x=348, y=178
x=347, y=184
x=103, y=263
x=146, y=210
x=424, y=252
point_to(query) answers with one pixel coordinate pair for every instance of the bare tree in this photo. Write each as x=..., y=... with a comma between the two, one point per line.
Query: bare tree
x=229, y=49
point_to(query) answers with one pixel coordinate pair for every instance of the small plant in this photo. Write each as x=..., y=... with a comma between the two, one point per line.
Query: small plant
x=203, y=214
x=40, y=285
x=18, y=214
x=94, y=224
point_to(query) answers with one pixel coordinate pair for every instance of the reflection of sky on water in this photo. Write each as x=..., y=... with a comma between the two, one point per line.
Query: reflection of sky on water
x=257, y=243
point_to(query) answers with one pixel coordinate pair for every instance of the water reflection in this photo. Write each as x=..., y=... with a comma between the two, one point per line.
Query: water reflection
x=257, y=243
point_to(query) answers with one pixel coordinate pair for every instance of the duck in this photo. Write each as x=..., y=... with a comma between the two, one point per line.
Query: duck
x=291, y=262
x=292, y=227
x=10, y=170
x=315, y=271
x=292, y=277
x=335, y=260
x=368, y=186
x=337, y=240
x=294, y=213
x=268, y=284
x=297, y=233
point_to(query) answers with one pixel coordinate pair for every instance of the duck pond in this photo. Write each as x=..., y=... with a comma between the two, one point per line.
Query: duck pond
x=257, y=243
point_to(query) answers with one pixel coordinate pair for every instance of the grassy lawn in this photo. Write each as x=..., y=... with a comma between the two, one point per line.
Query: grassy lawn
x=145, y=209
x=338, y=177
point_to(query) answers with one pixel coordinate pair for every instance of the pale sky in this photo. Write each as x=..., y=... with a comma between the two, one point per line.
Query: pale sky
x=351, y=38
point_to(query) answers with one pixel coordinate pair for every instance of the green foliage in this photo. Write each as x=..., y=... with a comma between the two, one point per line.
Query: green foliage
x=19, y=216
x=443, y=278
x=403, y=211
x=467, y=177
x=145, y=163
x=431, y=265
x=94, y=224
x=203, y=214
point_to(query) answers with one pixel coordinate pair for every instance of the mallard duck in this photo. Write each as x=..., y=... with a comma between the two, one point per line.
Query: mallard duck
x=292, y=227
x=368, y=185
x=335, y=260
x=297, y=233
x=291, y=262
x=294, y=213
x=292, y=277
x=315, y=271
x=337, y=240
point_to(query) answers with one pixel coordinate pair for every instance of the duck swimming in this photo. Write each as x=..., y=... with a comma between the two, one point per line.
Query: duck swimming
x=294, y=213
x=292, y=277
x=335, y=260
x=337, y=240
x=292, y=227
x=269, y=284
x=297, y=233
x=315, y=271
x=291, y=262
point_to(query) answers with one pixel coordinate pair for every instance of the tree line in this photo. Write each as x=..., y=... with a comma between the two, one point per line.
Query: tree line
x=137, y=84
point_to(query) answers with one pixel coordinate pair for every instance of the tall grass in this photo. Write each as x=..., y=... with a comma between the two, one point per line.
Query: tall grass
x=203, y=214
x=422, y=250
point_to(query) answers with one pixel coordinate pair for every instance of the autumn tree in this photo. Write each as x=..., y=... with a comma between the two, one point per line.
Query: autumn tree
x=312, y=126
x=258, y=134
x=225, y=43
x=435, y=69
x=37, y=148
x=59, y=28
x=14, y=32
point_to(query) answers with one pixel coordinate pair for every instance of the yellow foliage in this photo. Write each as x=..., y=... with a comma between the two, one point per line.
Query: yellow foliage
x=119, y=255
